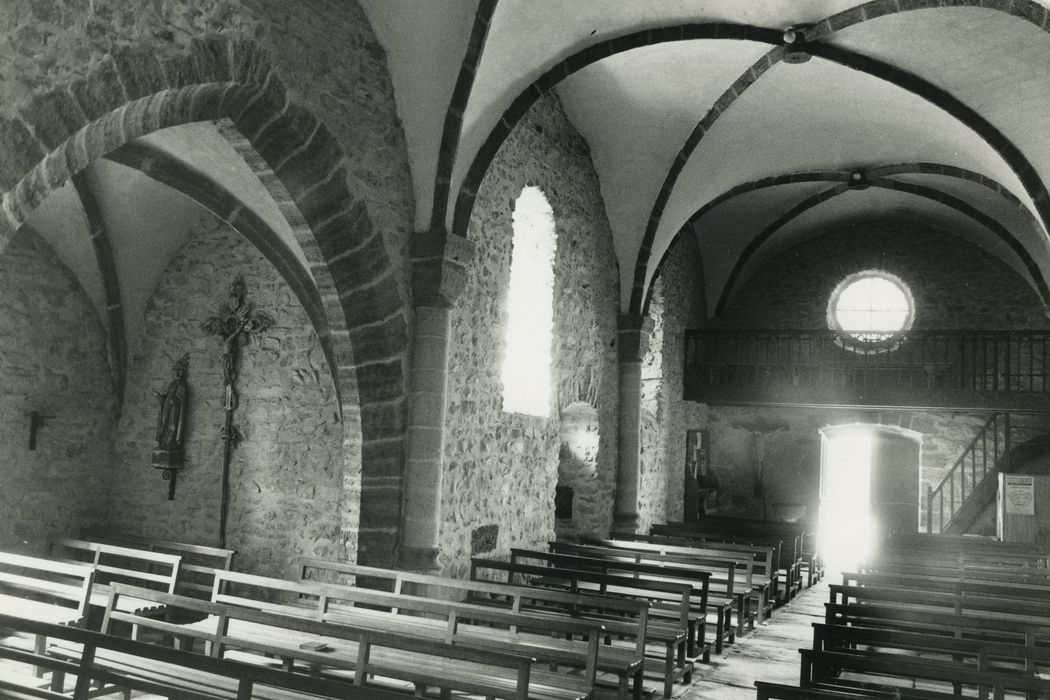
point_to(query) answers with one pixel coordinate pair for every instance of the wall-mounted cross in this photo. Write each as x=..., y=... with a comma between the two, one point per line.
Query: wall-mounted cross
x=236, y=323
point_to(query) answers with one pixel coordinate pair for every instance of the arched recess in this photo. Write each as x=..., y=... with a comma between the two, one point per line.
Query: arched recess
x=138, y=90
x=159, y=166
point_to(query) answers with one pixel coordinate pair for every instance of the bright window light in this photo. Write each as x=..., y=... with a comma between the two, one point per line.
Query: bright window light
x=871, y=307
x=530, y=307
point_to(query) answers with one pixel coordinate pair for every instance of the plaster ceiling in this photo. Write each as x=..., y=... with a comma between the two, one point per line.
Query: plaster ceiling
x=636, y=108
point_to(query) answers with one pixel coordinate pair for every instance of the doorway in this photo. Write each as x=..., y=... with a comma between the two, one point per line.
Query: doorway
x=869, y=487
x=846, y=528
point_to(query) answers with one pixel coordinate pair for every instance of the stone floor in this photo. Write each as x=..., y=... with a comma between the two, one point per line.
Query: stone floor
x=769, y=653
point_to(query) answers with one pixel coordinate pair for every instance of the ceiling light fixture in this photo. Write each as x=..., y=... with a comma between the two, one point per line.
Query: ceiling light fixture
x=794, y=44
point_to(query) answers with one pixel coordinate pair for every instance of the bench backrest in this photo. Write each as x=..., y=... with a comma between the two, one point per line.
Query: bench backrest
x=199, y=562
x=45, y=579
x=669, y=593
x=967, y=572
x=1033, y=610
x=630, y=616
x=950, y=584
x=971, y=625
x=86, y=668
x=113, y=563
x=341, y=604
x=725, y=568
x=225, y=636
x=768, y=550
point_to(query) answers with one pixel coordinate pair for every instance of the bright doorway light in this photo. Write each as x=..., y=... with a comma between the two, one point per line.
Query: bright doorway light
x=530, y=307
x=847, y=530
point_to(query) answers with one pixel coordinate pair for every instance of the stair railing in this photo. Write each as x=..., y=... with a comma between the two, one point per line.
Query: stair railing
x=988, y=447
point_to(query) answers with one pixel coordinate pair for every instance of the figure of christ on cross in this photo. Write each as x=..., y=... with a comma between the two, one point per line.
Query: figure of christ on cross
x=236, y=323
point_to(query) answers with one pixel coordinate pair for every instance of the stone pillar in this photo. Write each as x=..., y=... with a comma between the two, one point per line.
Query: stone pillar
x=633, y=335
x=439, y=268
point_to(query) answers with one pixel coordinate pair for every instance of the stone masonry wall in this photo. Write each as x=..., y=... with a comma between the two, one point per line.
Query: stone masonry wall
x=677, y=303
x=53, y=361
x=501, y=468
x=954, y=284
x=287, y=473
x=67, y=63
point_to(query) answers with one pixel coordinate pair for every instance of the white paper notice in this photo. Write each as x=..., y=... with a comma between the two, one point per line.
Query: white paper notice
x=1020, y=494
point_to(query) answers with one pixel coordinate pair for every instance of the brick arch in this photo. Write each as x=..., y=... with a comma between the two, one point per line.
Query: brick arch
x=138, y=90
x=167, y=170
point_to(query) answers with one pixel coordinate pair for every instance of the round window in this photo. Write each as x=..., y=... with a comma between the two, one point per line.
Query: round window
x=870, y=310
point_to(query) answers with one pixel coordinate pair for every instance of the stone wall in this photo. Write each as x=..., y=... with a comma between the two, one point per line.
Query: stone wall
x=954, y=284
x=286, y=476
x=68, y=63
x=677, y=304
x=503, y=468
x=53, y=361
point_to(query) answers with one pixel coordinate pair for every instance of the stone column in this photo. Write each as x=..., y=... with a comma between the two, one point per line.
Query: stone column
x=439, y=267
x=633, y=335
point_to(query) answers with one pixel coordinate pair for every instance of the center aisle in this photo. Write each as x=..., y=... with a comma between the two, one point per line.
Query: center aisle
x=770, y=653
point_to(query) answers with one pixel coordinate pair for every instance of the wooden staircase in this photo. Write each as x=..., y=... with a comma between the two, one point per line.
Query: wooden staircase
x=970, y=485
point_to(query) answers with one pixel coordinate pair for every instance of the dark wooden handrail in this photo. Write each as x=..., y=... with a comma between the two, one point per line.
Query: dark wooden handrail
x=986, y=454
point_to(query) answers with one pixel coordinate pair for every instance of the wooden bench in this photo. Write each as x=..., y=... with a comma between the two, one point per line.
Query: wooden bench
x=970, y=572
x=112, y=563
x=197, y=568
x=952, y=664
x=569, y=646
x=233, y=634
x=1031, y=611
x=697, y=579
x=1020, y=591
x=670, y=618
x=796, y=547
x=769, y=554
x=780, y=691
x=45, y=591
x=626, y=620
x=947, y=623
x=734, y=574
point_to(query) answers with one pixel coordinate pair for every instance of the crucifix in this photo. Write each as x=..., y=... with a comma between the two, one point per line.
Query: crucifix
x=236, y=323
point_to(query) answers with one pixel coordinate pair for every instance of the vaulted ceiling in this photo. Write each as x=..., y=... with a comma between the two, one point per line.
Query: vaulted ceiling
x=749, y=125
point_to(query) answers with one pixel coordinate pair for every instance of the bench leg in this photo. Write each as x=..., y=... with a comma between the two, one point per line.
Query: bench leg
x=39, y=648
x=668, y=675
x=622, y=687
x=691, y=637
x=638, y=681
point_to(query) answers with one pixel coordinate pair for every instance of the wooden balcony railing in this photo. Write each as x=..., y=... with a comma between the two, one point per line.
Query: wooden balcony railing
x=823, y=366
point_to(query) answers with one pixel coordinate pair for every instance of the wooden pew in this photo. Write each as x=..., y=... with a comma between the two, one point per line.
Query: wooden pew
x=670, y=622
x=197, y=568
x=207, y=678
x=627, y=620
x=699, y=581
x=779, y=557
x=795, y=546
x=969, y=572
x=918, y=599
x=734, y=574
x=358, y=655
x=565, y=643
x=45, y=591
x=112, y=563
x=957, y=585
x=780, y=691
x=953, y=664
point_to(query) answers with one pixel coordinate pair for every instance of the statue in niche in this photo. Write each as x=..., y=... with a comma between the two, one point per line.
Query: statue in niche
x=171, y=419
